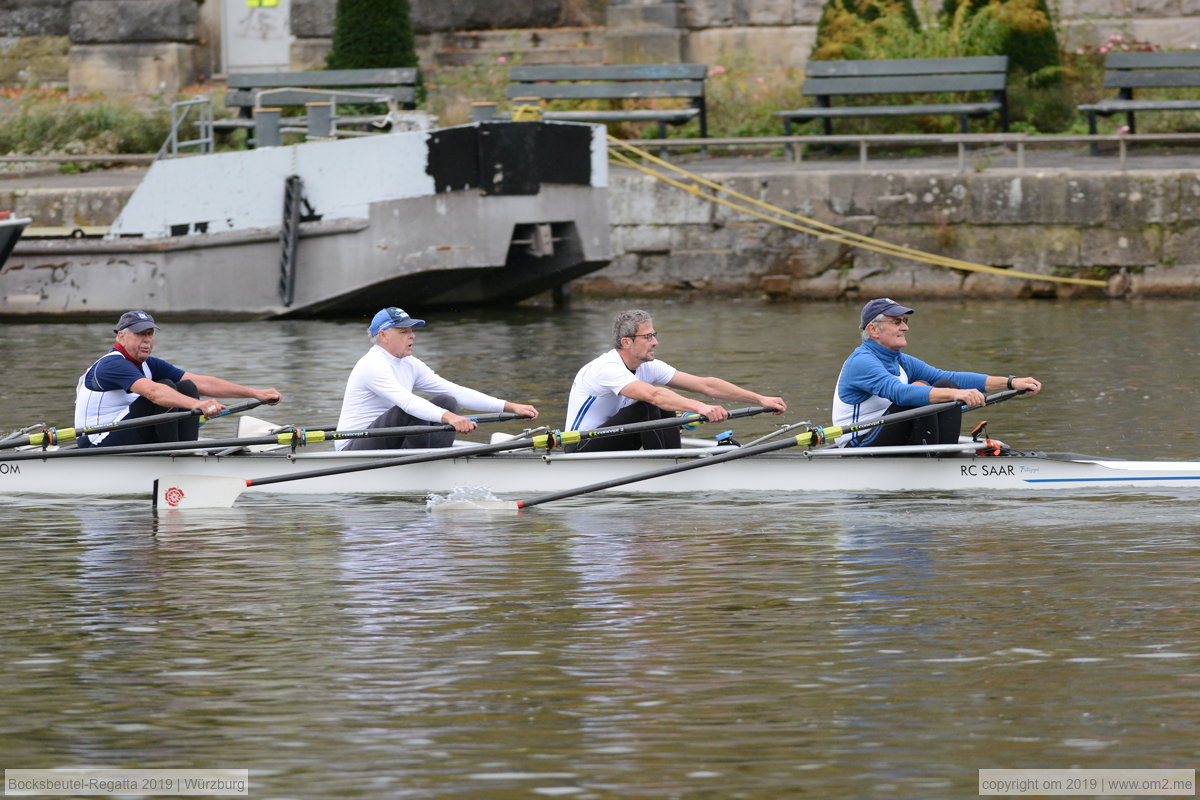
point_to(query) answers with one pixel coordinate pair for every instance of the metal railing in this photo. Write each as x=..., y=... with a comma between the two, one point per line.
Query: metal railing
x=961, y=141
x=180, y=112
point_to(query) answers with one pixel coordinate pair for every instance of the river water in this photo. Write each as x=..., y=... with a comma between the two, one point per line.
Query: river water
x=834, y=646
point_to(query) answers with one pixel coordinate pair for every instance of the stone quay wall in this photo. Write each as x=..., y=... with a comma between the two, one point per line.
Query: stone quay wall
x=159, y=46
x=1138, y=230
x=1141, y=229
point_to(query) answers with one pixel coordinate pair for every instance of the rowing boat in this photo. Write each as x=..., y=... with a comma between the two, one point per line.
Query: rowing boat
x=955, y=467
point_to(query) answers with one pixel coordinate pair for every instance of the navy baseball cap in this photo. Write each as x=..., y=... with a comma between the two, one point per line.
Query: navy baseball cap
x=393, y=318
x=882, y=305
x=136, y=321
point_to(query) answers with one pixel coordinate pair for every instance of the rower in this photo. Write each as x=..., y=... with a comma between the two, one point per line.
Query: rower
x=877, y=380
x=380, y=392
x=628, y=384
x=129, y=383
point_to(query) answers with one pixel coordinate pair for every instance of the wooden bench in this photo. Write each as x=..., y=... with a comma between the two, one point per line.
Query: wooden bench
x=1128, y=71
x=616, y=82
x=250, y=90
x=824, y=80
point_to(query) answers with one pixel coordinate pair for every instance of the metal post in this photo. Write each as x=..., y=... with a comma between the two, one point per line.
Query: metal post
x=320, y=121
x=561, y=295
x=266, y=127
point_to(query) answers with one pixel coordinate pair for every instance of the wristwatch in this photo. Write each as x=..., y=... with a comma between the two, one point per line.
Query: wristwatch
x=1010, y=380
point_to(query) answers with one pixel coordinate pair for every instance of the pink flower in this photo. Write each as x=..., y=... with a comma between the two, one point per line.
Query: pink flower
x=1103, y=49
x=1121, y=131
x=1080, y=51
x=502, y=59
x=760, y=80
x=717, y=70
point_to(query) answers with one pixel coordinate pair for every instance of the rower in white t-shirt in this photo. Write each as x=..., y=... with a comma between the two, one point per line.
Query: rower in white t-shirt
x=627, y=384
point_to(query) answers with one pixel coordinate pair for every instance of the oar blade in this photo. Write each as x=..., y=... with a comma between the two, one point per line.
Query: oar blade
x=180, y=492
x=477, y=506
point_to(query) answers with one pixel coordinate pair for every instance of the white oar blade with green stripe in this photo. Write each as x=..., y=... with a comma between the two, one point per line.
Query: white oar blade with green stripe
x=174, y=492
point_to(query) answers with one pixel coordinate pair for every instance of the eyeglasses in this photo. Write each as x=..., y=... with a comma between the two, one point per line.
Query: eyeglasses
x=898, y=320
x=646, y=336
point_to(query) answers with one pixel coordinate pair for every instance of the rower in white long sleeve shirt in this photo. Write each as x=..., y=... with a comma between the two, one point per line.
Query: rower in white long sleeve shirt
x=381, y=391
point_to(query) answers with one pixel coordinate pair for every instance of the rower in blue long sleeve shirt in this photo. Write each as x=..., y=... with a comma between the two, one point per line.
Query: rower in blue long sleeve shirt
x=877, y=379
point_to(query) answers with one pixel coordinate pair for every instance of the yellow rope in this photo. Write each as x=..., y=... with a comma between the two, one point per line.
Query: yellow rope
x=811, y=226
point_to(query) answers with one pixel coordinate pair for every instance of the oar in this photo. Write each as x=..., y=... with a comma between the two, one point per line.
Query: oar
x=210, y=491
x=288, y=436
x=51, y=436
x=807, y=438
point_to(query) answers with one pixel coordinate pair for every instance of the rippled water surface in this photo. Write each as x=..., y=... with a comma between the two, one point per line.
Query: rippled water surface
x=702, y=646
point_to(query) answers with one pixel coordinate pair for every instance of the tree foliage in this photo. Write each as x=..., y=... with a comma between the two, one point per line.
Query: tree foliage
x=1029, y=38
x=846, y=26
x=372, y=34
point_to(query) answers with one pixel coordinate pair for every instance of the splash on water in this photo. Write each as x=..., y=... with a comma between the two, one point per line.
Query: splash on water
x=466, y=495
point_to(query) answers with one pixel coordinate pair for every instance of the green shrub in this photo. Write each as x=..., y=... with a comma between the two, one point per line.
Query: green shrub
x=883, y=30
x=371, y=34
x=741, y=98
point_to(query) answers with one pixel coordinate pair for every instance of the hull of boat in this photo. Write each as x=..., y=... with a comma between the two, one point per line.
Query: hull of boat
x=520, y=475
x=459, y=216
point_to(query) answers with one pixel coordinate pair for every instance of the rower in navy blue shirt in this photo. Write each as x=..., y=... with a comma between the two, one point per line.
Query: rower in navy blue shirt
x=127, y=382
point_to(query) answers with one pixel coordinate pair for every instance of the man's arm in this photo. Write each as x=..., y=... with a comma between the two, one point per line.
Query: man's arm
x=668, y=400
x=219, y=387
x=724, y=390
x=165, y=396
x=993, y=383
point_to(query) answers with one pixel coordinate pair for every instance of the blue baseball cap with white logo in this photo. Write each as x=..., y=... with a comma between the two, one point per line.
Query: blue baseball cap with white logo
x=393, y=318
x=136, y=321
x=882, y=305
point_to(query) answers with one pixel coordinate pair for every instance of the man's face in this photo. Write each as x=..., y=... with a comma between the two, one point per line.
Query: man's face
x=643, y=343
x=138, y=345
x=891, y=332
x=397, y=341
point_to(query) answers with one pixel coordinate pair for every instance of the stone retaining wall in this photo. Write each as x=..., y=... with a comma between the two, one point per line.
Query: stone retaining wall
x=782, y=32
x=1082, y=224
x=110, y=40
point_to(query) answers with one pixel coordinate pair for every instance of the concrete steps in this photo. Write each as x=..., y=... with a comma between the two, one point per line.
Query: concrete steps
x=528, y=46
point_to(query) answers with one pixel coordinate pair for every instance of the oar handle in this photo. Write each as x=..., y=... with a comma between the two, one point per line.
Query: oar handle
x=51, y=435
x=500, y=416
x=236, y=408
x=559, y=438
x=288, y=436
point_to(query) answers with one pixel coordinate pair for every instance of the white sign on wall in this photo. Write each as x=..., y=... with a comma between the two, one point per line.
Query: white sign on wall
x=256, y=35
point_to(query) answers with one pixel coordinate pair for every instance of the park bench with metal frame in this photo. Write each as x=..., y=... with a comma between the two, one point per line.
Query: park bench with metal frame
x=825, y=80
x=1128, y=71
x=615, y=82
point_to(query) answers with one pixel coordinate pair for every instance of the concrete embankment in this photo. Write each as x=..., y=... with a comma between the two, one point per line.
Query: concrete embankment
x=1062, y=214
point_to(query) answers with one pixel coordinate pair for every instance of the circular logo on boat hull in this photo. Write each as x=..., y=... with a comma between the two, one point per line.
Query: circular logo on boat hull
x=173, y=496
